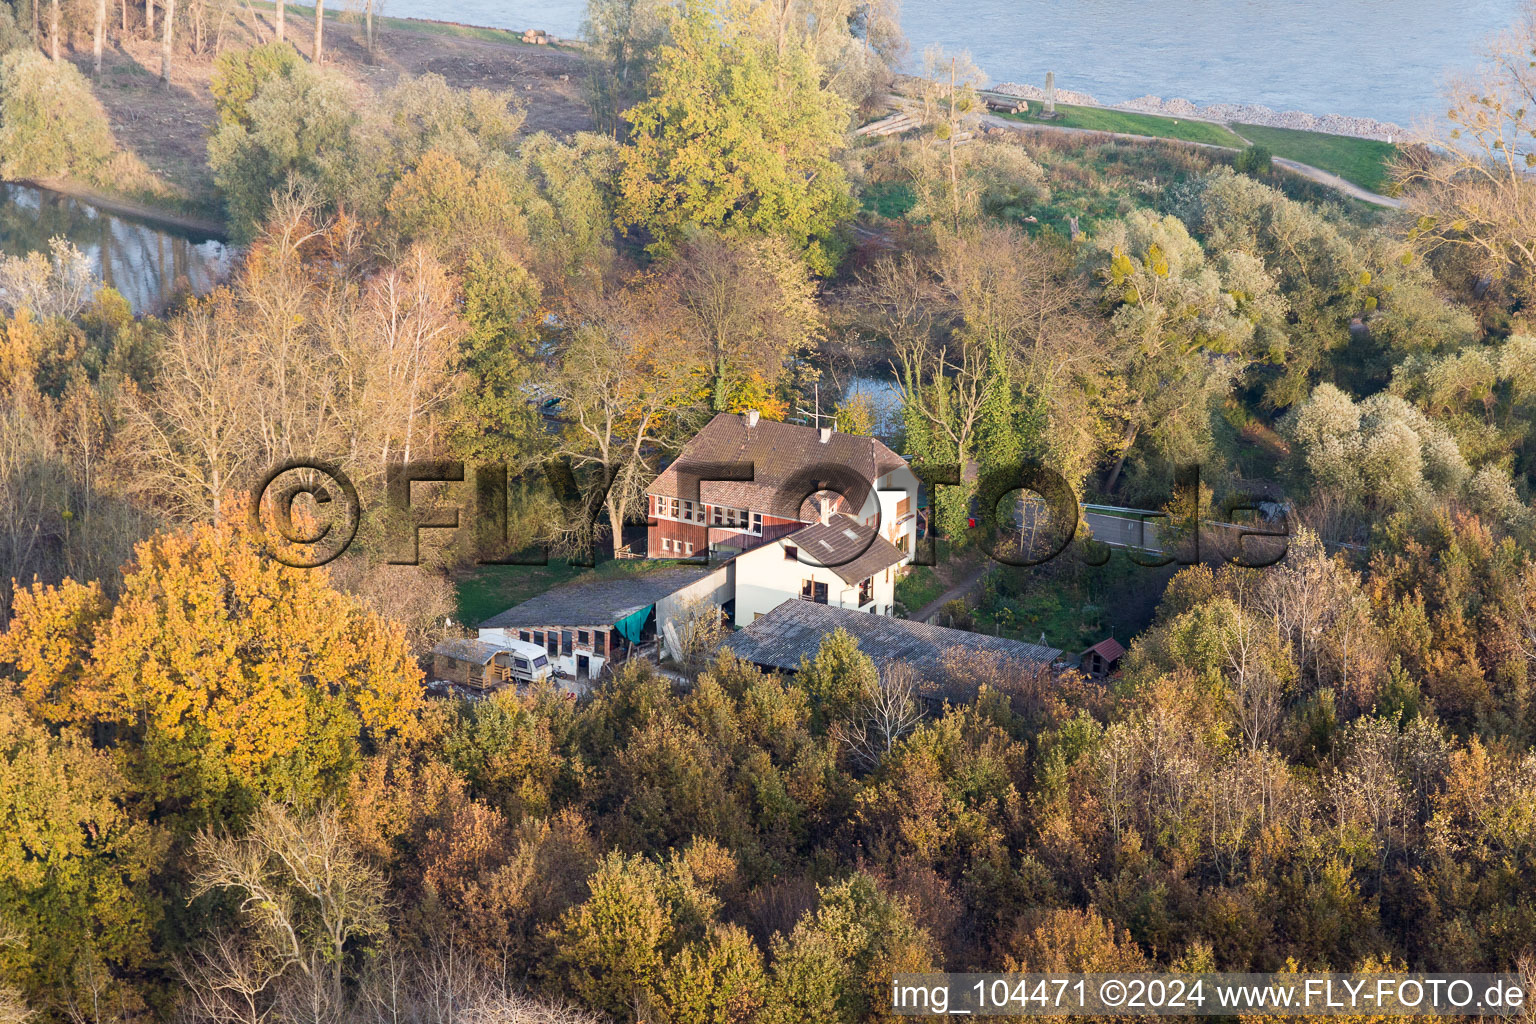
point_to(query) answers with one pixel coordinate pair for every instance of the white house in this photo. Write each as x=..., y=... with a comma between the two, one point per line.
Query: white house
x=841, y=563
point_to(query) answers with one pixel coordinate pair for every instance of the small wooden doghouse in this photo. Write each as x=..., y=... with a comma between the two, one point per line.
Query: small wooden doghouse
x=472, y=663
x=1102, y=658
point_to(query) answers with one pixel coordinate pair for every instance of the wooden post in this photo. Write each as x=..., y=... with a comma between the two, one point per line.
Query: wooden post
x=53, y=31
x=280, y=5
x=319, y=28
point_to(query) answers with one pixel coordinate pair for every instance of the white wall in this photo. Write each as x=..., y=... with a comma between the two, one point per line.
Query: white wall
x=766, y=579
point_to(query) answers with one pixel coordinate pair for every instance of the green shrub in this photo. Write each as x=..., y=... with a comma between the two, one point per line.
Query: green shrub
x=238, y=76
x=12, y=37
x=51, y=126
x=300, y=130
x=1254, y=161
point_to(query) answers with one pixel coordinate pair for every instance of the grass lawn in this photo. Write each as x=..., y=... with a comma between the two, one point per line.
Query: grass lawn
x=890, y=199
x=1362, y=161
x=918, y=587
x=1101, y=120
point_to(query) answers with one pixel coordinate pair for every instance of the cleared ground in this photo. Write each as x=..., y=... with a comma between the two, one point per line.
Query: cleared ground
x=168, y=128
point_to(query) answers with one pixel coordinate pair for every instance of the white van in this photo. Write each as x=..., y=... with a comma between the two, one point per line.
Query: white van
x=523, y=663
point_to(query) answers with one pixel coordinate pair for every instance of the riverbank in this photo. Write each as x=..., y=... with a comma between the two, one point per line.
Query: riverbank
x=206, y=228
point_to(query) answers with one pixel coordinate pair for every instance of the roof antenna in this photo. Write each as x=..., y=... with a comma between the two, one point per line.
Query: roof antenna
x=816, y=415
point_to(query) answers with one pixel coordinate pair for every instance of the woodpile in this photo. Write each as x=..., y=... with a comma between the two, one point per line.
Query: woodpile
x=537, y=36
x=894, y=124
x=1007, y=105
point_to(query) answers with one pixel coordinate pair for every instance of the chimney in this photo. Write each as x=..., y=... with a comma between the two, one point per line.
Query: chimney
x=826, y=434
x=752, y=417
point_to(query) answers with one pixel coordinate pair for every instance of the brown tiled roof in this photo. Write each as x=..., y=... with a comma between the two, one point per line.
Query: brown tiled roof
x=847, y=547
x=789, y=463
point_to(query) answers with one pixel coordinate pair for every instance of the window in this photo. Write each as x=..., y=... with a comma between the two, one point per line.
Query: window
x=791, y=553
x=538, y=637
x=581, y=637
x=666, y=544
x=523, y=636
x=565, y=641
x=903, y=507
x=810, y=590
x=553, y=647
x=717, y=515
x=540, y=661
x=688, y=545
x=866, y=591
x=600, y=641
x=757, y=522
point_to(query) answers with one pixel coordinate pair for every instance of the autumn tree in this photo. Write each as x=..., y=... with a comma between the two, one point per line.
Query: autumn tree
x=309, y=905
x=627, y=390
x=209, y=626
x=745, y=310
x=75, y=865
x=736, y=136
x=1470, y=185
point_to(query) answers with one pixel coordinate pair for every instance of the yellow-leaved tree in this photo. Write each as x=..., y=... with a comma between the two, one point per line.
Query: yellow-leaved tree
x=222, y=675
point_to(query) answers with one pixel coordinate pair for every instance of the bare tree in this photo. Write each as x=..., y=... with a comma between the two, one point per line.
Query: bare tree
x=101, y=34
x=1471, y=184
x=192, y=435
x=305, y=895
x=166, y=43
x=886, y=713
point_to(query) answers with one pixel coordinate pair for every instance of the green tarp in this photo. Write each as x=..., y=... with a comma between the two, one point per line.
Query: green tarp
x=630, y=626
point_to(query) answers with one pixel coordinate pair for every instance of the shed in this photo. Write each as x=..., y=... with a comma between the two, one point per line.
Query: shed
x=1102, y=658
x=471, y=662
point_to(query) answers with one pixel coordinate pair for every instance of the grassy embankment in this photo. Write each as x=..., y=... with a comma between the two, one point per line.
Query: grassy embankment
x=1152, y=126
x=1361, y=161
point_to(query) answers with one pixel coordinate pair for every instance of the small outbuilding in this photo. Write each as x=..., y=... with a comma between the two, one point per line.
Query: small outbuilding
x=1102, y=658
x=471, y=663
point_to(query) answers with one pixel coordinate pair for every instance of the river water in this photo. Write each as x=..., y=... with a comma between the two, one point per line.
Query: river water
x=148, y=264
x=1385, y=59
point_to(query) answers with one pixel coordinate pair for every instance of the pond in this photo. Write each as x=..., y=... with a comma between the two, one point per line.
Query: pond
x=884, y=398
x=147, y=263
